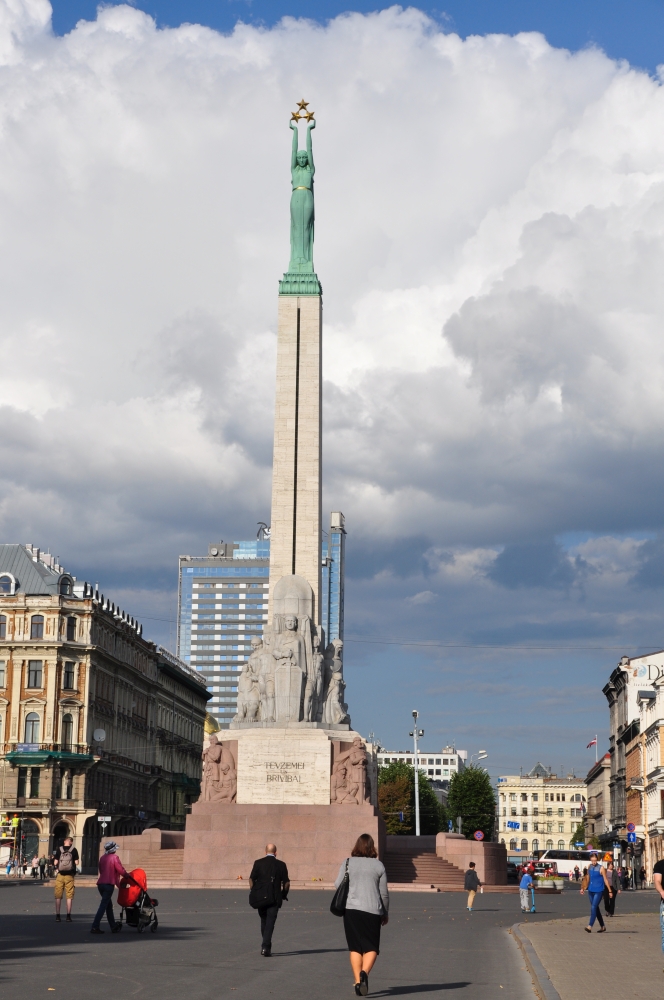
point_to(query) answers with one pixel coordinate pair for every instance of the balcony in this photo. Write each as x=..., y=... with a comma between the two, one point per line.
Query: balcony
x=44, y=754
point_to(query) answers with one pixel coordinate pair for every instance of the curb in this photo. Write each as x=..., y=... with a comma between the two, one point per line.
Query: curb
x=540, y=976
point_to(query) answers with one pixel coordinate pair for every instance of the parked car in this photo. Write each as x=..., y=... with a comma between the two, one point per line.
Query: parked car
x=512, y=872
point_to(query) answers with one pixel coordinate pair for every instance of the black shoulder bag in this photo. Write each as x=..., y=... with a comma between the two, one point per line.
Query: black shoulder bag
x=340, y=898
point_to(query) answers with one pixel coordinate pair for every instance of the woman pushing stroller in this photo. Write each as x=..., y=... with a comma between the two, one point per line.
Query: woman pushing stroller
x=111, y=873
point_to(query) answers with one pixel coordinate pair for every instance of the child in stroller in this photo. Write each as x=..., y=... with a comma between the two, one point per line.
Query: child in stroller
x=136, y=905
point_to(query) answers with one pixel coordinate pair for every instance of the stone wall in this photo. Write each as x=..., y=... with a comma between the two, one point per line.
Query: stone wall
x=490, y=858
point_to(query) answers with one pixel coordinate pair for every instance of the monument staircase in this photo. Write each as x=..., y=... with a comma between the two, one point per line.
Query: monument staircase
x=422, y=869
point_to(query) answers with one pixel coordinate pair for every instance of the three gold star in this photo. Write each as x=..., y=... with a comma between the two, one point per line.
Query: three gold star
x=302, y=112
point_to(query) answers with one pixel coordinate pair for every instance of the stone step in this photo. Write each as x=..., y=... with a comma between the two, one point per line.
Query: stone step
x=415, y=867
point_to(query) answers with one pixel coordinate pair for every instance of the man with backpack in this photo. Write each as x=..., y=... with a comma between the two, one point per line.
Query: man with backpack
x=65, y=859
x=269, y=885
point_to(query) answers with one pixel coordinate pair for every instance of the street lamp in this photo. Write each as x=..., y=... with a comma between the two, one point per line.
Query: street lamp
x=416, y=733
x=481, y=755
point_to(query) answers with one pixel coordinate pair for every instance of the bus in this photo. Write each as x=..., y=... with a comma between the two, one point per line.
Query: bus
x=567, y=861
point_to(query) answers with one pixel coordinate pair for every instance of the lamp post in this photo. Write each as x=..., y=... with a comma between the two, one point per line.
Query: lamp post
x=416, y=733
x=481, y=755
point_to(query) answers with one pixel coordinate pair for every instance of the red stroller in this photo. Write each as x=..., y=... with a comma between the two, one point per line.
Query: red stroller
x=136, y=905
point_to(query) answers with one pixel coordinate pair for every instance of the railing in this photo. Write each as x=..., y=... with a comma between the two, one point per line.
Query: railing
x=78, y=748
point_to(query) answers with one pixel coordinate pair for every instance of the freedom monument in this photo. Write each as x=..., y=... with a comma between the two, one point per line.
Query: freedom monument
x=290, y=769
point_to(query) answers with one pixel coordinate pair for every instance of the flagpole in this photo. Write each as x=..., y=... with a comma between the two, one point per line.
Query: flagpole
x=595, y=747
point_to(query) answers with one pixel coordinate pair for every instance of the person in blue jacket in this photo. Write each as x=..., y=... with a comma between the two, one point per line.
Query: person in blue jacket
x=597, y=883
x=524, y=890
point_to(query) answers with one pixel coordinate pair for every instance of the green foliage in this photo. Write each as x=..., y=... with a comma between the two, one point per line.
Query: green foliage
x=581, y=834
x=471, y=797
x=396, y=793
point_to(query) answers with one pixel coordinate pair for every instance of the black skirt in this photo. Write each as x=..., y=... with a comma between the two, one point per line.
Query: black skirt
x=362, y=931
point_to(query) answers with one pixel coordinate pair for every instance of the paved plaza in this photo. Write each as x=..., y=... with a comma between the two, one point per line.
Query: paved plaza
x=208, y=945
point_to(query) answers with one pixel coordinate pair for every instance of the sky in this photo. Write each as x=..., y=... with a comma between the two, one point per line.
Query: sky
x=490, y=241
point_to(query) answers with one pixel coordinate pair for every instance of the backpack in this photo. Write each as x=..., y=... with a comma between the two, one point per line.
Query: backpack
x=66, y=864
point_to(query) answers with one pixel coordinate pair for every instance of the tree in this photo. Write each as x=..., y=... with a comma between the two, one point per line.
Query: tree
x=581, y=834
x=396, y=794
x=471, y=797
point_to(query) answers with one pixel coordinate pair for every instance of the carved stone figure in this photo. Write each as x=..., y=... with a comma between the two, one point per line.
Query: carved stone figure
x=349, y=776
x=290, y=670
x=248, y=692
x=219, y=773
x=314, y=682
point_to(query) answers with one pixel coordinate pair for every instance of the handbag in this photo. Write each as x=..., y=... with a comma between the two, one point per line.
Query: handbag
x=265, y=892
x=340, y=898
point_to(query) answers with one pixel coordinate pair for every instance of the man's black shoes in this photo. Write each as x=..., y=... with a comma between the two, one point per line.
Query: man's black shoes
x=96, y=930
x=266, y=952
x=117, y=929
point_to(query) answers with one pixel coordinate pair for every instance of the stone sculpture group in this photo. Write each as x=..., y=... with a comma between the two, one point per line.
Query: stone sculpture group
x=287, y=678
x=219, y=782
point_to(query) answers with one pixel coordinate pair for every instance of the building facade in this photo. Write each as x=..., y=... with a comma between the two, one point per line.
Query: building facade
x=539, y=811
x=93, y=717
x=597, y=819
x=439, y=765
x=630, y=688
x=222, y=605
x=332, y=581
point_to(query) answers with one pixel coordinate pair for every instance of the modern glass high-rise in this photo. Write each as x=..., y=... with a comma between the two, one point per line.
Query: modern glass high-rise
x=222, y=603
x=332, y=592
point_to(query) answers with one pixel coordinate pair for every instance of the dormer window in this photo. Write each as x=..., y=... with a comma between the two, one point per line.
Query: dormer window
x=66, y=586
x=7, y=584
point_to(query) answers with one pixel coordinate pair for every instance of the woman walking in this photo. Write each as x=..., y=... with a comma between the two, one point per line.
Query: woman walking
x=613, y=878
x=597, y=881
x=366, y=909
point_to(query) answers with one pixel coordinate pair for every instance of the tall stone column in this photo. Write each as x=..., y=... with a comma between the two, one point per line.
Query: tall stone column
x=295, y=541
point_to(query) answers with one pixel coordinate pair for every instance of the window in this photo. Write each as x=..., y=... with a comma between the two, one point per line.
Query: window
x=505, y=807
x=22, y=779
x=549, y=845
x=524, y=797
x=31, y=728
x=71, y=629
x=512, y=796
x=445, y=760
x=535, y=811
x=524, y=811
x=2, y=674
x=512, y=845
x=563, y=798
x=513, y=811
x=34, y=783
x=34, y=677
x=536, y=827
x=3, y=626
x=561, y=812
x=438, y=771
x=535, y=797
x=524, y=827
x=6, y=584
x=558, y=797
x=561, y=845
x=549, y=828
x=437, y=760
x=561, y=828
x=68, y=678
x=535, y=845
x=37, y=627
x=67, y=731
x=430, y=760
x=549, y=811
x=66, y=586
x=524, y=845
x=546, y=796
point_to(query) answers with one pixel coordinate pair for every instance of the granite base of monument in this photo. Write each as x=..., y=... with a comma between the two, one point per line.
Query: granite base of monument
x=223, y=841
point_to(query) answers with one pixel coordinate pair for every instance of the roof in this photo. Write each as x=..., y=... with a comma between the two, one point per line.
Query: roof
x=33, y=573
x=539, y=771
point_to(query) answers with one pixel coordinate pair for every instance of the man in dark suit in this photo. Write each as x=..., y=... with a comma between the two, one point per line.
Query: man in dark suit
x=269, y=883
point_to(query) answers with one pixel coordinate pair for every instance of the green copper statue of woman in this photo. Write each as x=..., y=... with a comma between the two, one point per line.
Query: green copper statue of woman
x=302, y=204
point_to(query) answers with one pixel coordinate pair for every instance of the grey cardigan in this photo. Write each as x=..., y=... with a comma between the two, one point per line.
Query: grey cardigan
x=367, y=888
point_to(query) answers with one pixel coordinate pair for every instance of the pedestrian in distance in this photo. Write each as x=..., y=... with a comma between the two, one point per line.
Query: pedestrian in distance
x=643, y=877
x=524, y=891
x=471, y=884
x=43, y=861
x=111, y=873
x=35, y=867
x=8, y=867
x=269, y=884
x=367, y=908
x=65, y=858
x=658, y=876
x=614, y=881
x=596, y=883
x=577, y=873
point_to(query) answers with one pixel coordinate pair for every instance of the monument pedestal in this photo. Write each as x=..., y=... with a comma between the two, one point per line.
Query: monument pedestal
x=310, y=791
x=223, y=841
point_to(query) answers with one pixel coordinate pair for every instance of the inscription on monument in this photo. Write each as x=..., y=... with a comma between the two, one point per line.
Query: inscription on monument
x=284, y=767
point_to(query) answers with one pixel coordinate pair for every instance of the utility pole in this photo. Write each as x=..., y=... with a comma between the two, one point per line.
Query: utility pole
x=416, y=733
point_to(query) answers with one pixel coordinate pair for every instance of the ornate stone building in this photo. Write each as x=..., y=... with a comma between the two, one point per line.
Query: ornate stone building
x=94, y=719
